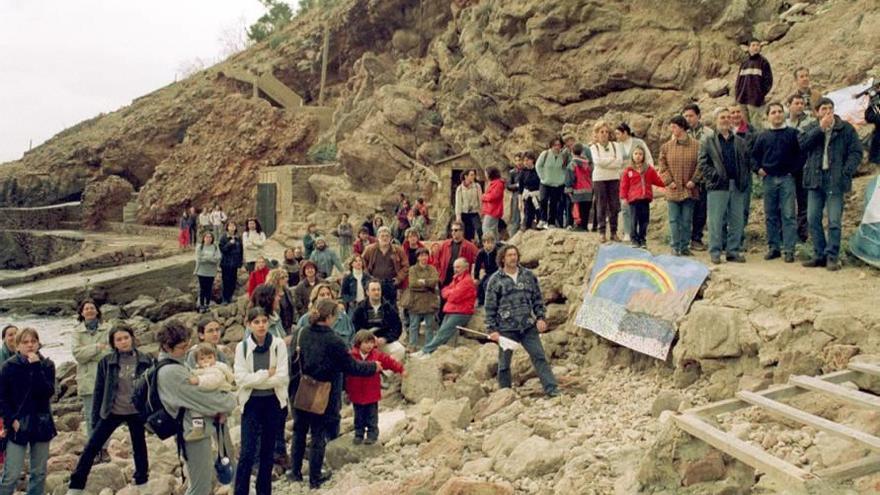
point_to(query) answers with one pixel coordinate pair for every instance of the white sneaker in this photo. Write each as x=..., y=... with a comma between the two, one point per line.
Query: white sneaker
x=542, y=225
x=416, y=355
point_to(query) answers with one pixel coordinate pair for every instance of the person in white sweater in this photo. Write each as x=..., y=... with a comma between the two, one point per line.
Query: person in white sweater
x=252, y=241
x=607, y=167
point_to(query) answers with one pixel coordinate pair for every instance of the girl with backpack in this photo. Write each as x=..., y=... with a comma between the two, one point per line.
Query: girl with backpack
x=27, y=384
x=262, y=378
x=114, y=387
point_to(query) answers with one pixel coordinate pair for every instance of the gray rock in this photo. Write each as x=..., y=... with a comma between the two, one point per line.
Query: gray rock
x=716, y=87
x=667, y=400
x=111, y=312
x=532, y=457
x=504, y=439
x=138, y=306
x=343, y=451
x=423, y=380
x=452, y=414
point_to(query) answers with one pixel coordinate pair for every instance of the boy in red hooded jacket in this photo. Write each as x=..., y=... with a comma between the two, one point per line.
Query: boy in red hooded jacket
x=636, y=190
x=365, y=391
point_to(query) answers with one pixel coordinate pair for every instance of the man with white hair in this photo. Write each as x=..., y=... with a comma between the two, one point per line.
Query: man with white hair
x=387, y=263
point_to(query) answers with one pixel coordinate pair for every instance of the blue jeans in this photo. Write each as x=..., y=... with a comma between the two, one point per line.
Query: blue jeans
x=681, y=215
x=447, y=329
x=259, y=421
x=779, y=210
x=39, y=456
x=414, y=321
x=513, y=226
x=818, y=200
x=725, y=213
x=531, y=342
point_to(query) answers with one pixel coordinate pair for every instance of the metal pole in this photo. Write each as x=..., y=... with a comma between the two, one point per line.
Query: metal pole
x=324, y=59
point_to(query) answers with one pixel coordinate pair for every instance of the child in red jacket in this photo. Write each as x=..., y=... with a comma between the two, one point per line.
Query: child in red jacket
x=635, y=189
x=365, y=391
x=258, y=276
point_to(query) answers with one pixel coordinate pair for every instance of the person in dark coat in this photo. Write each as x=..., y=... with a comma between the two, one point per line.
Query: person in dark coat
x=231, y=260
x=322, y=355
x=833, y=152
x=114, y=389
x=375, y=312
x=754, y=81
x=27, y=384
x=872, y=116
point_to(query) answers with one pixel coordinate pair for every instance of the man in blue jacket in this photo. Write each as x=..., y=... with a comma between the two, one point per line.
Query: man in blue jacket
x=833, y=153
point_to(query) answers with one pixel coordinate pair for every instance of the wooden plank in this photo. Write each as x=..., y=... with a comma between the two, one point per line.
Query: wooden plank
x=818, y=422
x=779, y=392
x=841, y=393
x=745, y=452
x=452, y=157
x=850, y=470
x=866, y=368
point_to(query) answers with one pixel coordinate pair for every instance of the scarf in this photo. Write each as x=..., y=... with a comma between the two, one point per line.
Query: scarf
x=91, y=325
x=267, y=343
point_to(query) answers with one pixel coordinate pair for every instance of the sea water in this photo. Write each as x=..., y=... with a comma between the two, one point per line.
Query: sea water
x=55, y=333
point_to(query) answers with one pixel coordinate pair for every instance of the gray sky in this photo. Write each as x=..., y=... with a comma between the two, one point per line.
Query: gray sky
x=63, y=61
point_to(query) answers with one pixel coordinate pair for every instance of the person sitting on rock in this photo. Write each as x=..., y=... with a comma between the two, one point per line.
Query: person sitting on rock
x=515, y=310
x=210, y=374
x=325, y=258
x=366, y=391
x=460, y=297
x=376, y=313
x=452, y=249
x=114, y=388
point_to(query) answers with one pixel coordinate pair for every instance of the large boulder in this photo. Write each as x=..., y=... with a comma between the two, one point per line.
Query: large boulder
x=452, y=414
x=532, y=457
x=423, y=380
x=103, y=201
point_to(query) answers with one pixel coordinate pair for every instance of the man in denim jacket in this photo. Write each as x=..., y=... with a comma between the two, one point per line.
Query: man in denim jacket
x=515, y=310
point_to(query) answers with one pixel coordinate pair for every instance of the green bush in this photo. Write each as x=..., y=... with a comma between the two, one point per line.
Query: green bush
x=322, y=153
x=278, y=14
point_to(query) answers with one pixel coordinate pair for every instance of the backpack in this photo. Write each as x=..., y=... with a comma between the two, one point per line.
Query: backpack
x=157, y=419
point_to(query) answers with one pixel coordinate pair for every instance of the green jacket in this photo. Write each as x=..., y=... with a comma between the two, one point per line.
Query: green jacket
x=551, y=168
x=87, y=352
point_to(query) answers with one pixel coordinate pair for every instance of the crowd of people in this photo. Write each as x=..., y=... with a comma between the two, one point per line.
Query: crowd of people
x=325, y=326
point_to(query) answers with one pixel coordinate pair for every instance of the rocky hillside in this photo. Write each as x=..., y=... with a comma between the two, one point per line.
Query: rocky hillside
x=422, y=80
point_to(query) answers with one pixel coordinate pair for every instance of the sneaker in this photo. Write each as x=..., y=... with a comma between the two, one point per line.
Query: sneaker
x=789, y=257
x=716, y=260
x=815, y=262
x=772, y=255
x=541, y=225
x=553, y=393
x=698, y=246
x=635, y=244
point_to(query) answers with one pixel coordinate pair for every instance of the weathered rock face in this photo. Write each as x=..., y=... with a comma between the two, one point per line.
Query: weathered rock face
x=220, y=157
x=103, y=201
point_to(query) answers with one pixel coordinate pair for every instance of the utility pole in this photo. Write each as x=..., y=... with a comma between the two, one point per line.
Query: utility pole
x=325, y=56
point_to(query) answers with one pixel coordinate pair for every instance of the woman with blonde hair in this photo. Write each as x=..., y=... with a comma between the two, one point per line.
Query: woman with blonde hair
x=607, y=167
x=278, y=278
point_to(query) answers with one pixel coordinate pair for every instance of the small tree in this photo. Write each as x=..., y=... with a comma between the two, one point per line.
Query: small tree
x=278, y=13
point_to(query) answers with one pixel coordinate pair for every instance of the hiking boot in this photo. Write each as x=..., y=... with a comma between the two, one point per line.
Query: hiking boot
x=833, y=265
x=716, y=260
x=815, y=262
x=772, y=255
x=314, y=484
x=698, y=246
x=789, y=257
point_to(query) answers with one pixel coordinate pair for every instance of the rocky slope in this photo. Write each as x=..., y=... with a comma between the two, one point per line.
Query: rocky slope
x=415, y=80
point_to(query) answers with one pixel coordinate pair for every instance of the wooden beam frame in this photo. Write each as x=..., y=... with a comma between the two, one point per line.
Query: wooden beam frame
x=854, y=397
x=866, y=368
x=818, y=422
x=743, y=451
x=851, y=470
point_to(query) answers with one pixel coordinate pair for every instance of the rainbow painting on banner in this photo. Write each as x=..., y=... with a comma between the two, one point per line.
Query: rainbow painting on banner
x=633, y=297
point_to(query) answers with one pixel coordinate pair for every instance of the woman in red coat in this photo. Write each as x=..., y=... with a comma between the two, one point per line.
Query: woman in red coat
x=365, y=391
x=493, y=202
x=258, y=276
x=461, y=298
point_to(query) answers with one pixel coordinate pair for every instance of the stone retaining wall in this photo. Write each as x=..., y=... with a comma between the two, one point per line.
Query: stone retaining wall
x=41, y=217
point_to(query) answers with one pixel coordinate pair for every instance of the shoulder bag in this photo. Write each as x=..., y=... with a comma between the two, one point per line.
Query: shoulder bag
x=311, y=395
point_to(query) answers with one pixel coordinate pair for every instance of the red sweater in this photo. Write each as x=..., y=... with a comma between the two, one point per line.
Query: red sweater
x=635, y=186
x=368, y=389
x=460, y=295
x=256, y=278
x=468, y=250
x=493, y=199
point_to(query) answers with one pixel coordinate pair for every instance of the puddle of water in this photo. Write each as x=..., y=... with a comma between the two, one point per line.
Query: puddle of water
x=54, y=333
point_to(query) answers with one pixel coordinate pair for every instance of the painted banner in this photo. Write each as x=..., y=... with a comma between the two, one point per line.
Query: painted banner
x=634, y=297
x=865, y=242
